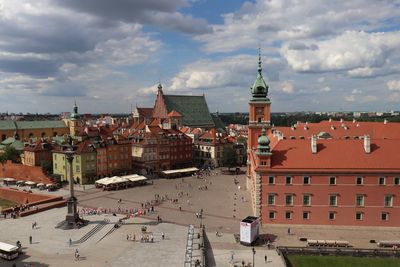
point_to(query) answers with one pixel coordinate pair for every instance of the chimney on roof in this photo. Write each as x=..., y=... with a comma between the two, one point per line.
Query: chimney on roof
x=367, y=144
x=314, y=144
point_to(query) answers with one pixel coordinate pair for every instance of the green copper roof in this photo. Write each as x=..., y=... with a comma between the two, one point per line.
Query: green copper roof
x=263, y=144
x=218, y=123
x=7, y=125
x=260, y=87
x=193, y=108
x=40, y=124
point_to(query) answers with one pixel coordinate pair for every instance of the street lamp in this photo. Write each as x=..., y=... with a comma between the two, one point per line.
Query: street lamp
x=254, y=253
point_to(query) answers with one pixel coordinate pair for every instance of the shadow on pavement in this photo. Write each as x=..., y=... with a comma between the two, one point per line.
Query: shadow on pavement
x=210, y=260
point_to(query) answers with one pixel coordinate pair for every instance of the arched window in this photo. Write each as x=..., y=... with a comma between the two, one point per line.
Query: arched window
x=43, y=134
x=30, y=135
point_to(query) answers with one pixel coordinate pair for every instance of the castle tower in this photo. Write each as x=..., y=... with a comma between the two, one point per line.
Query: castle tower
x=258, y=150
x=259, y=108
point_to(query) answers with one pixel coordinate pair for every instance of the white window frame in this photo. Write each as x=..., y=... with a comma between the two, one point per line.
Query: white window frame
x=291, y=198
x=273, y=198
x=309, y=180
x=383, y=179
x=269, y=215
x=286, y=179
x=291, y=215
x=362, y=201
x=390, y=203
x=362, y=180
x=332, y=177
x=309, y=200
x=360, y=215
x=334, y=215
x=336, y=200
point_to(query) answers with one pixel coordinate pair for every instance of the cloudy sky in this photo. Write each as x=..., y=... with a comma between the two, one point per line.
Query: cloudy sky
x=109, y=55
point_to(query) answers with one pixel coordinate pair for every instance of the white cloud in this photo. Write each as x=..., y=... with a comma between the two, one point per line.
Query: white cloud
x=287, y=87
x=325, y=89
x=232, y=71
x=357, y=51
x=150, y=90
x=393, y=85
x=356, y=91
x=266, y=22
x=350, y=98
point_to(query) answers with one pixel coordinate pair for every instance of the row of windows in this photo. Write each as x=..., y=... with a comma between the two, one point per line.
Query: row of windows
x=359, y=216
x=332, y=180
x=332, y=200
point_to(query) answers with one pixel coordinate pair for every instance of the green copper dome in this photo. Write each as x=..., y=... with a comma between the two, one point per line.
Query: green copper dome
x=75, y=114
x=260, y=87
x=263, y=144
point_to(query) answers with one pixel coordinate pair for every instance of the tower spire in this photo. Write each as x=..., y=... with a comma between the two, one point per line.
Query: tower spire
x=259, y=61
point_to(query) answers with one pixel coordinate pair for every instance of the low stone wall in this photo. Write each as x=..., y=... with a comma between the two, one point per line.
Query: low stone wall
x=25, y=198
x=57, y=204
x=21, y=197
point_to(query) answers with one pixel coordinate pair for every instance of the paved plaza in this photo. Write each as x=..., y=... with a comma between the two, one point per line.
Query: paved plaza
x=224, y=204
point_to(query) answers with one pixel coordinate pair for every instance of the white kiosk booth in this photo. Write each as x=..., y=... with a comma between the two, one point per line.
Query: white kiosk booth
x=249, y=230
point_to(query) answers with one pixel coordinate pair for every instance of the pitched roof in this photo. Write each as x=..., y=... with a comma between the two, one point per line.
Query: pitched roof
x=218, y=123
x=336, y=154
x=40, y=124
x=145, y=112
x=174, y=113
x=39, y=146
x=7, y=125
x=337, y=129
x=193, y=108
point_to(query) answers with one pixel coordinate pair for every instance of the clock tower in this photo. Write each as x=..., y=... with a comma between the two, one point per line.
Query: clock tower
x=258, y=150
x=259, y=108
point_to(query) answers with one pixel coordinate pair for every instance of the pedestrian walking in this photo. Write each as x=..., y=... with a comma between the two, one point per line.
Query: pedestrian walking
x=265, y=258
x=30, y=239
x=162, y=235
x=76, y=254
x=70, y=242
x=288, y=231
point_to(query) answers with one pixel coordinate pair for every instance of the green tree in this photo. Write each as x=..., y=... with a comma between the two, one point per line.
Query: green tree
x=10, y=153
x=229, y=158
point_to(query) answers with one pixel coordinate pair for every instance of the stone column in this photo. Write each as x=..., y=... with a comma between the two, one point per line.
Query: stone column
x=72, y=216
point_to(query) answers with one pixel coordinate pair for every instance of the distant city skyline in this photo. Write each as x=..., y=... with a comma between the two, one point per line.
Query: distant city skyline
x=110, y=55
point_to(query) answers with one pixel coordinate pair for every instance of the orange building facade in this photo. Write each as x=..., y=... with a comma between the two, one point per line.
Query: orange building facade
x=318, y=179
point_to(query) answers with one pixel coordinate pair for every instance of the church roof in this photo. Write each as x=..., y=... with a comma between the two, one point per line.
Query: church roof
x=145, y=112
x=193, y=108
x=174, y=114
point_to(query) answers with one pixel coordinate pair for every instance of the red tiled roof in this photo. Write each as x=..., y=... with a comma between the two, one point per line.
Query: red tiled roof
x=196, y=131
x=337, y=129
x=39, y=146
x=155, y=122
x=145, y=112
x=174, y=114
x=85, y=146
x=336, y=154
